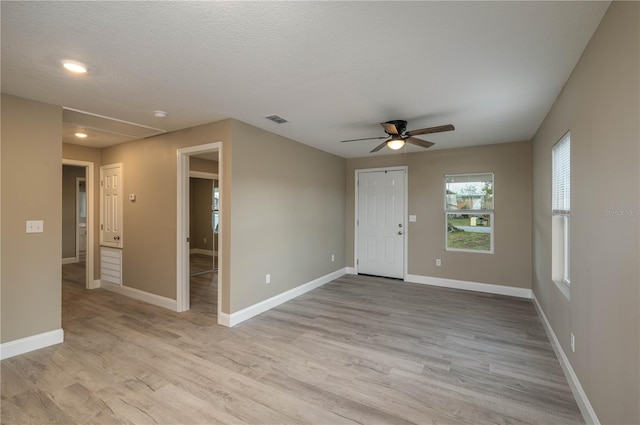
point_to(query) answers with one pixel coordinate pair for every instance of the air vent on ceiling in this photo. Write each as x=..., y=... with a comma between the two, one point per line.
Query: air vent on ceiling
x=276, y=119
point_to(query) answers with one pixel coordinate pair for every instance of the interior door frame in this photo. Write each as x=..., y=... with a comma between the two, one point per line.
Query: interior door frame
x=182, y=250
x=405, y=253
x=89, y=187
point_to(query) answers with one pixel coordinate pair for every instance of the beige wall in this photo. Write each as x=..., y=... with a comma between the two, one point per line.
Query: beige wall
x=510, y=265
x=149, y=224
x=288, y=214
x=87, y=154
x=203, y=165
x=283, y=210
x=31, y=178
x=69, y=175
x=600, y=105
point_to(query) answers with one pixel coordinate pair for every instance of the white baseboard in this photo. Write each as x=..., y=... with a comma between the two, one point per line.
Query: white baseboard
x=137, y=294
x=31, y=343
x=202, y=251
x=469, y=286
x=351, y=270
x=251, y=311
x=584, y=404
x=69, y=260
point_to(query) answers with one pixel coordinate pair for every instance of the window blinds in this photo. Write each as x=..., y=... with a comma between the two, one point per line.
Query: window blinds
x=561, y=159
x=469, y=178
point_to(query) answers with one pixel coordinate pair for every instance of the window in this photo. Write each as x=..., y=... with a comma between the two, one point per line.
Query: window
x=561, y=210
x=469, y=212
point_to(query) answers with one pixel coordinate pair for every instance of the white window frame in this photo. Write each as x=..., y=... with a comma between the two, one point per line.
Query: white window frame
x=487, y=211
x=561, y=213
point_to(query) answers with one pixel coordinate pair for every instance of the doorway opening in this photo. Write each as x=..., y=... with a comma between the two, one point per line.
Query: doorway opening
x=78, y=221
x=204, y=214
x=203, y=233
x=200, y=227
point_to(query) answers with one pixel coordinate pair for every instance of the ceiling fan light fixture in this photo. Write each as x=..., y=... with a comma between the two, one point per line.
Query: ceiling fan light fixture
x=395, y=143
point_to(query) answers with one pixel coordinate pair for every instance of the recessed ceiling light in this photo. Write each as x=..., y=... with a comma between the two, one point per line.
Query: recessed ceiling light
x=74, y=66
x=160, y=114
x=81, y=135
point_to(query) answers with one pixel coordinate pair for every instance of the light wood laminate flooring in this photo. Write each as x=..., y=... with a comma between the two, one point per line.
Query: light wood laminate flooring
x=357, y=350
x=200, y=264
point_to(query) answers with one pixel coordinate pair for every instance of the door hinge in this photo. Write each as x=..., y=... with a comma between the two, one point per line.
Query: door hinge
x=102, y=227
x=187, y=240
x=102, y=183
x=358, y=262
x=358, y=222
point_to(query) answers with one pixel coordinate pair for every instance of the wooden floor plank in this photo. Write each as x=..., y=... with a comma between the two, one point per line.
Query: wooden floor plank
x=360, y=349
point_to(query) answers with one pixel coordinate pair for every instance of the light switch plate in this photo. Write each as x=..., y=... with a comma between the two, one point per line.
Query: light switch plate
x=35, y=226
x=412, y=218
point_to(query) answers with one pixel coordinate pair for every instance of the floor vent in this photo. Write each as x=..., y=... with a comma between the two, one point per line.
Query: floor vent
x=277, y=119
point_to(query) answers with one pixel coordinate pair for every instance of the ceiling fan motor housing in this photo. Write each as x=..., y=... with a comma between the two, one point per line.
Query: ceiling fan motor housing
x=400, y=125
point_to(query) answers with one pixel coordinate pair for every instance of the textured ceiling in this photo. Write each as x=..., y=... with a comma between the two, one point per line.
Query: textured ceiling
x=333, y=69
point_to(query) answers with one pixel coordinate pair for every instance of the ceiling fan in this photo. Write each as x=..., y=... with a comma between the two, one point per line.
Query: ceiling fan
x=397, y=135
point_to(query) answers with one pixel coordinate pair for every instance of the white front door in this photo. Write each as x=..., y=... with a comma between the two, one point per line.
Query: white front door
x=381, y=225
x=111, y=205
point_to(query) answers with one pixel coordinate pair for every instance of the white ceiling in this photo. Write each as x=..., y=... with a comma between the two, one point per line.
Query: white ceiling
x=333, y=69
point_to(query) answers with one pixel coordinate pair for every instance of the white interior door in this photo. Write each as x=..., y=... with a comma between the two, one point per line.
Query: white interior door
x=111, y=206
x=381, y=225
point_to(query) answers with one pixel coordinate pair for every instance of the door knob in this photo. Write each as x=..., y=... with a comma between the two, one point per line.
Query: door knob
x=117, y=238
x=399, y=232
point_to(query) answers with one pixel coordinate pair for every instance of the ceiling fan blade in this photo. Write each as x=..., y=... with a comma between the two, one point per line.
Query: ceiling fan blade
x=380, y=146
x=366, y=138
x=419, y=142
x=389, y=127
x=429, y=130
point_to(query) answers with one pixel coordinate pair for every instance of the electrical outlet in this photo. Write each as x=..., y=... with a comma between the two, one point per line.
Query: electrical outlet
x=205, y=240
x=573, y=343
x=35, y=226
x=333, y=258
x=438, y=262
x=267, y=278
